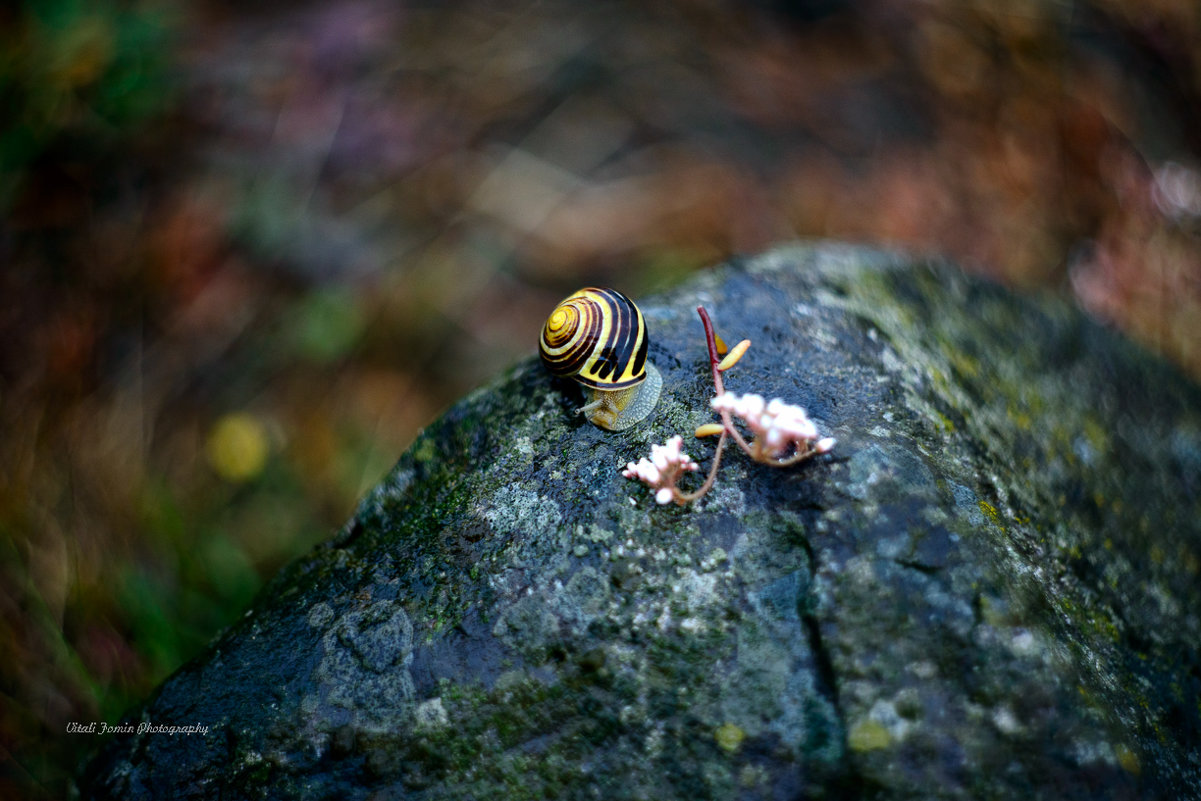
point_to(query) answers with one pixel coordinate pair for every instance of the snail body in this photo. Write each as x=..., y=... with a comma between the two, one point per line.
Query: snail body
x=598, y=337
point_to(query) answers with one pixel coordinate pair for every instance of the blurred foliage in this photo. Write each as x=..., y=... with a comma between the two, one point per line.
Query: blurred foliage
x=76, y=71
x=325, y=325
x=248, y=253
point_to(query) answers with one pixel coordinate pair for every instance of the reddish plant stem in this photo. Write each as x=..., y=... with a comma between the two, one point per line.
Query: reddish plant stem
x=686, y=497
x=718, y=384
x=800, y=455
x=727, y=423
x=711, y=341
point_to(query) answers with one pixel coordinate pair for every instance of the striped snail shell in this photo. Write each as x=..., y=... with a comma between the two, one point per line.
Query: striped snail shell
x=598, y=337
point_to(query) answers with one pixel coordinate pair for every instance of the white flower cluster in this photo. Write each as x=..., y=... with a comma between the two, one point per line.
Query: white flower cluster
x=663, y=469
x=778, y=426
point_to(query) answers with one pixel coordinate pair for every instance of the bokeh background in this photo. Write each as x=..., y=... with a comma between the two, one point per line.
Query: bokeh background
x=250, y=249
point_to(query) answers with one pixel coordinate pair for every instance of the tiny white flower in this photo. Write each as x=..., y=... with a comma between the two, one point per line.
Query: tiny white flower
x=778, y=426
x=753, y=404
x=726, y=401
x=797, y=428
x=774, y=438
x=661, y=471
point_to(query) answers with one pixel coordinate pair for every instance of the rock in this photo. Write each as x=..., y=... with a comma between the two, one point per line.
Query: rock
x=989, y=588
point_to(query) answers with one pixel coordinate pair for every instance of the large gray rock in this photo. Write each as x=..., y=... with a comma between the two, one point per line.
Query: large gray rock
x=989, y=589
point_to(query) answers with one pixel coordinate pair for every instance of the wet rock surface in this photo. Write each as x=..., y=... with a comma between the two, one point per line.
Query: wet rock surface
x=988, y=589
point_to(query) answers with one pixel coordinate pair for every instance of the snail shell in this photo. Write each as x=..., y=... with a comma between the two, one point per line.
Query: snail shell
x=598, y=337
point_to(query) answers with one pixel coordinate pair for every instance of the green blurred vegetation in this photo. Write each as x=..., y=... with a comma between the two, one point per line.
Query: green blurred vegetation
x=77, y=70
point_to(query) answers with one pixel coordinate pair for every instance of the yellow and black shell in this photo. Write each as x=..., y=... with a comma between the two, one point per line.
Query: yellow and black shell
x=598, y=337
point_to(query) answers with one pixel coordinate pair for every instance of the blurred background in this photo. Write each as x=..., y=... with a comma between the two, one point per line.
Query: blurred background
x=247, y=254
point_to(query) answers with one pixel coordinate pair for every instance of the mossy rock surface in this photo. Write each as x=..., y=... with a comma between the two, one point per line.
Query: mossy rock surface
x=989, y=589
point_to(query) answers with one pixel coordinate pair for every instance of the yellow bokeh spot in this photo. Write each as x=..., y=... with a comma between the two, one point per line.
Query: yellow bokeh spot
x=237, y=446
x=729, y=737
x=1128, y=759
x=868, y=735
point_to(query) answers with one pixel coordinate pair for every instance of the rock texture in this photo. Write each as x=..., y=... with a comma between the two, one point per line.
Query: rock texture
x=989, y=589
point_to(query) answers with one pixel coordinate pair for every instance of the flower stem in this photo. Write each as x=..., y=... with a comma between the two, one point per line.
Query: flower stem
x=686, y=497
x=719, y=385
x=711, y=341
x=720, y=388
x=799, y=456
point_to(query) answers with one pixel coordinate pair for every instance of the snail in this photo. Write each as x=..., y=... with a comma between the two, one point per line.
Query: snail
x=598, y=337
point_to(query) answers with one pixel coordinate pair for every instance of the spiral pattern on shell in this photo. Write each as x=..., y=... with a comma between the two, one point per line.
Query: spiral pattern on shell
x=598, y=337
